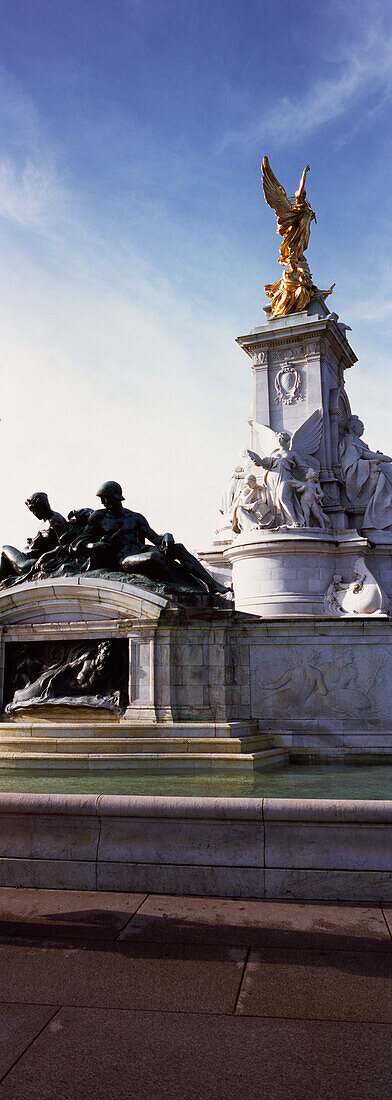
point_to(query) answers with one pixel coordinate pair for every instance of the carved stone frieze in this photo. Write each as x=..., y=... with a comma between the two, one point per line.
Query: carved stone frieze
x=322, y=682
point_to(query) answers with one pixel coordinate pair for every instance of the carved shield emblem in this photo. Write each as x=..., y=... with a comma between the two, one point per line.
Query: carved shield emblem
x=288, y=383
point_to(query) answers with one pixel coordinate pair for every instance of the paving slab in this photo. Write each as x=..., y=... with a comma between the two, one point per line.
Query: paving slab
x=387, y=910
x=318, y=985
x=19, y=1025
x=193, y=979
x=260, y=923
x=69, y=914
x=98, y=1054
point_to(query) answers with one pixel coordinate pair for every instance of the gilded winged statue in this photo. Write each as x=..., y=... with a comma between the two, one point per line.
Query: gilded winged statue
x=294, y=290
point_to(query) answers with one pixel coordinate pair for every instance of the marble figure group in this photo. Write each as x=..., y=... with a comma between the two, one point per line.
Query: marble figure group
x=288, y=494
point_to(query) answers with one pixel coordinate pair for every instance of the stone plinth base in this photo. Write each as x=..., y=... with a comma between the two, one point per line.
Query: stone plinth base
x=288, y=572
x=99, y=746
x=208, y=685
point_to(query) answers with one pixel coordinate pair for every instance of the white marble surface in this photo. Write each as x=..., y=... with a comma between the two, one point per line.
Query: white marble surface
x=48, y=874
x=301, y=676
x=204, y=881
x=328, y=845
x=298, y=370
x=77, y=599
x=282, y=573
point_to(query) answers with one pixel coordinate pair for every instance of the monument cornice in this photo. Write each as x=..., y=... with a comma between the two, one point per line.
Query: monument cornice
x=266, y=337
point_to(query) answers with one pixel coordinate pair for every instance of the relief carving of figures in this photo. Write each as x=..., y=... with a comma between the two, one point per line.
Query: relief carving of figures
x=367, y=477
x=361, y=596
x=298, y=684
x=89, y=674
x=312, y=686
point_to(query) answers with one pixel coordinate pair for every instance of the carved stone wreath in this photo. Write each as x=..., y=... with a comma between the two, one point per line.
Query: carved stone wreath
x=288, y=384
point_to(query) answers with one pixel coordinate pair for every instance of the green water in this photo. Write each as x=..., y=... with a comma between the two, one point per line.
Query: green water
x=294, y=781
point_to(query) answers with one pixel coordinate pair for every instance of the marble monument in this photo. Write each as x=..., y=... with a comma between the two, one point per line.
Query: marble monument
x=308, y=498
x=118, y=647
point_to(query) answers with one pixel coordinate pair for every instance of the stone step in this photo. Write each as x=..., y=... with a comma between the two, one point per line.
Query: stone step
x=129, y=745
x=148, y=761
x=120, y=728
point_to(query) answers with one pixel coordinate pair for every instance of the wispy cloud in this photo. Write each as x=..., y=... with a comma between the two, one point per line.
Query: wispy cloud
x=30, y=188
x=364, y=70
x=28, y=193
x=88, y=326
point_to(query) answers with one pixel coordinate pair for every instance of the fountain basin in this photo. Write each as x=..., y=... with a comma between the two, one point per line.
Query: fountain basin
x=282, y=848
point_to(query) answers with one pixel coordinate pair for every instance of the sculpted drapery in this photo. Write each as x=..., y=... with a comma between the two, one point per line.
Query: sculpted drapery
x=367, y=477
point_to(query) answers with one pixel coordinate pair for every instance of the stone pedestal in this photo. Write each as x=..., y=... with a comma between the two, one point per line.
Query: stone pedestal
x=298, y=366
x=287, y=573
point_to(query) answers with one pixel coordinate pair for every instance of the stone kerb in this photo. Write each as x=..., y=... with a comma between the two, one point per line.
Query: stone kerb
x=275, y=848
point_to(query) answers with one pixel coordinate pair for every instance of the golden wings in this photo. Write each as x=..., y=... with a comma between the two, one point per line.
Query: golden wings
x=294, y=290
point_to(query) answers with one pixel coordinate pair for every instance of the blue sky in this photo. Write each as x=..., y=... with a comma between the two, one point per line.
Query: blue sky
x=135, y=241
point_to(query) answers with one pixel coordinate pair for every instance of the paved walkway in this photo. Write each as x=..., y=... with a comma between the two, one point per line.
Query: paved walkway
x=136, y=996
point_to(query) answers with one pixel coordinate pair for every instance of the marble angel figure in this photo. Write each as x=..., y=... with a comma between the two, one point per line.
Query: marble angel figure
x=285, y=457
x=367, y=477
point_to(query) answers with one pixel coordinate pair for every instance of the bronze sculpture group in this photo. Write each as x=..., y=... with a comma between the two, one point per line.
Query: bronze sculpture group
x=112, y=539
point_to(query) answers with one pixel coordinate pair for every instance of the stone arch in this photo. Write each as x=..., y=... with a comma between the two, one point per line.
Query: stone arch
x=78, y=600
